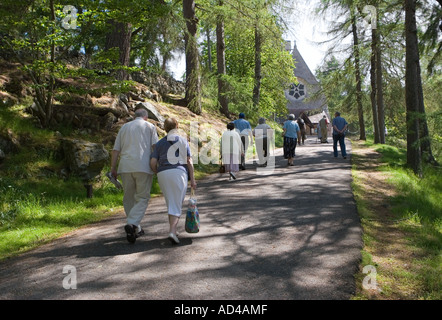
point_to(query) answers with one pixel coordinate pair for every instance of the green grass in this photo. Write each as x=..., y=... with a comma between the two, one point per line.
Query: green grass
x=36, y=204
x=412, y=270
x=421, y=197
x=35, y=211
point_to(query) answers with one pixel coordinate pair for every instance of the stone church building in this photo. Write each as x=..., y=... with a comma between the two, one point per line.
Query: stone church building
x=304, y=98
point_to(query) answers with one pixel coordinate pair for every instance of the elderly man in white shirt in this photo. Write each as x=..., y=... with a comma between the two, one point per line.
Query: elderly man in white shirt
x=133, y=146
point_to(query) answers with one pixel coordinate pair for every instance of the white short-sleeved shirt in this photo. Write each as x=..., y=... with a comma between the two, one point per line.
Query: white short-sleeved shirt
x=134, y=142
x=261, y=130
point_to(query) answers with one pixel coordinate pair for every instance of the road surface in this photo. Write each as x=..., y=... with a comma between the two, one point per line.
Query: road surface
x=293, y=234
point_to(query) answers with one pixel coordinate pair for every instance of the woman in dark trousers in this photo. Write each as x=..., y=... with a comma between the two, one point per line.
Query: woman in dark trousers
x=291, y=134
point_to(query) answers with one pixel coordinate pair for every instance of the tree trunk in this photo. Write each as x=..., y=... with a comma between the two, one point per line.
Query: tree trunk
x=358, y=79
x=221, y=66
x=193, y=78
x=414, y=160
x=120, y=36
x=258, y=76
x=380, y=92
x=44, y=89
x=373, y=94
x=209, y=49
x=426, y=152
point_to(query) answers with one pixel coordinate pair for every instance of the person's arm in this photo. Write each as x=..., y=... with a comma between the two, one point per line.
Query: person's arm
x=154, y=159
x=114, y=159
x=191, y=172
x=154, y=165
x=335, y=127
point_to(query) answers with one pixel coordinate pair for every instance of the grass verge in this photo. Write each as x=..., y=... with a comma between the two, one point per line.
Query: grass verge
x=401, y=219
x=36, y=204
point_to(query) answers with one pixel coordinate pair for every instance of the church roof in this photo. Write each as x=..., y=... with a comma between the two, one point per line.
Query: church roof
x=301, y=68
x=305, y=95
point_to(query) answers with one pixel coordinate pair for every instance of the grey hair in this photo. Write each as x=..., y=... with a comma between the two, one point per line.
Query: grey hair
x=291, y=116
x=261, y=120
x=141, y=113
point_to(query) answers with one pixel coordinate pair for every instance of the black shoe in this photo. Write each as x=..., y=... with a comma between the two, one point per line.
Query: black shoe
x=141, y=233
x=131, y=235
x=232, y=175
x=345, y=157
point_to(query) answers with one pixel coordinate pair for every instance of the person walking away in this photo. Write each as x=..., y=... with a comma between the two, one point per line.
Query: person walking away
x=291, y=133
x=263, y=134
x=339, y=128
x=318, y=132
x=133, y=147
x=171, y=160
x=232, y=150
x=323, y=125
x=301, y=125
x=244, y=129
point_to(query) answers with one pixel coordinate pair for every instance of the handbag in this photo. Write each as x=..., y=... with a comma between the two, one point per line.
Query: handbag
x=192, y=224
x=222, y=169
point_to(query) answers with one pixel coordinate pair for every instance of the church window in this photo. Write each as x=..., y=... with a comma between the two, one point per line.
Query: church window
x=297, y=91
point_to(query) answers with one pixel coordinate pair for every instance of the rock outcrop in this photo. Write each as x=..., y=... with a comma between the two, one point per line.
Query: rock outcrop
x=83, y=158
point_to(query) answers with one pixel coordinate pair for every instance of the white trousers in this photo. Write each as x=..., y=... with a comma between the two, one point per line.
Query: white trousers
x=136, y=186
x=173, y=184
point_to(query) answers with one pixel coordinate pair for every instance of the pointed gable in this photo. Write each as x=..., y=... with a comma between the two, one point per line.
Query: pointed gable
x=303, y=96
x=301, y=68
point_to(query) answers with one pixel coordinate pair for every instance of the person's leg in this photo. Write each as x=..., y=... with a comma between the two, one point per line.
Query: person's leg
x=260, y=150
x=129, y=189
x=324, y=135
x=291, y=150
x=265, y=150
x=173, y=184
x=173, y=223
x=342, y=146
x=243, y=160
x=286, y=148
x=335, y=145
x=143, y=185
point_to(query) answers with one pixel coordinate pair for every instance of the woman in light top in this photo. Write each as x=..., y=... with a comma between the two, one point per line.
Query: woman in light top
x=231, y=149
x=291, y=134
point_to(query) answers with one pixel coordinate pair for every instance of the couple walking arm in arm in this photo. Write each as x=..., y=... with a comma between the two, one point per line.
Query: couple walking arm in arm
x=141, y=156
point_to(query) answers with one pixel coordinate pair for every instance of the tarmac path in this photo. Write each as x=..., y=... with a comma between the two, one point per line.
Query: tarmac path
x=293, y=234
